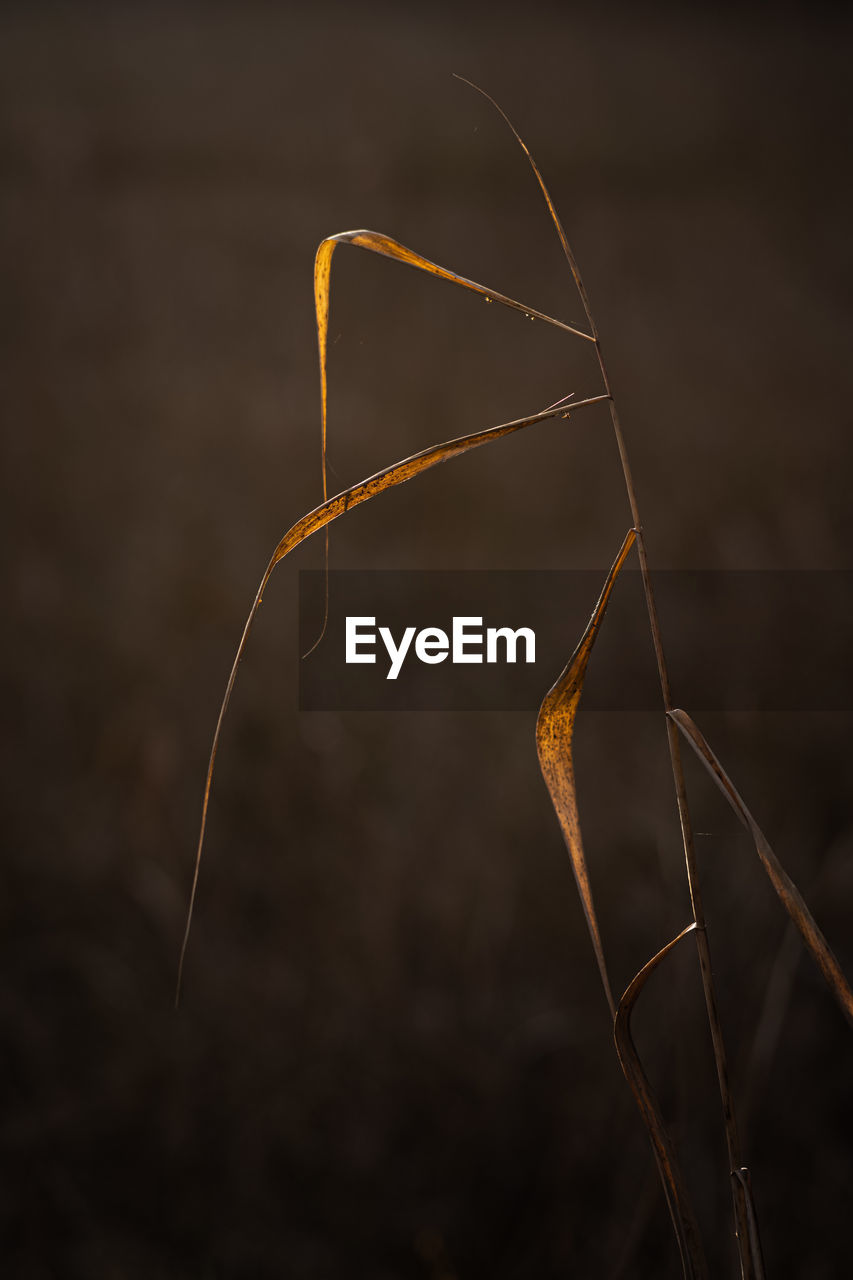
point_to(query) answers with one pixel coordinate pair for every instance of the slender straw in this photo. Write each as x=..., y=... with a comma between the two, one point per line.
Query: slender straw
x=751, y=1266
x=320, y=518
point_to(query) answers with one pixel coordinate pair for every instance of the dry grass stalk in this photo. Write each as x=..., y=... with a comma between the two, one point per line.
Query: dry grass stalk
x=555, y=726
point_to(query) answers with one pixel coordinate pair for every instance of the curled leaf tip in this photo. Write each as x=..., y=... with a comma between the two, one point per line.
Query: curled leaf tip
x=554, y=731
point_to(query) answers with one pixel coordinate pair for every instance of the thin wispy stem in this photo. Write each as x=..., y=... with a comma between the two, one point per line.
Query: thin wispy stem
x=320, y=518
x=746, y=1228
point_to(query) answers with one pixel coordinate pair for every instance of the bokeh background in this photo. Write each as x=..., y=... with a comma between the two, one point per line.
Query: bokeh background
x=393, y=1057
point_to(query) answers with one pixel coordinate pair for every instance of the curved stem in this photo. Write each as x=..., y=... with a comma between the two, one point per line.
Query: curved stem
x=320, y=518
x=746, y=1230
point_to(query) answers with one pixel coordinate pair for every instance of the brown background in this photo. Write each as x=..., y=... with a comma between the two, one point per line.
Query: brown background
x=393, y=1058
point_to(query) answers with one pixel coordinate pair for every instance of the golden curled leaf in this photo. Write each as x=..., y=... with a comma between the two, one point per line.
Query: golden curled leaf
x=375, y=242
x=554, y=729
x=386, y=247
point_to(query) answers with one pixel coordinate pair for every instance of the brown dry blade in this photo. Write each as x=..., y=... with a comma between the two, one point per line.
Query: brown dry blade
x=683, y=1220
x=375, y=242
x=319, y=518
x=554, y=728
x=555, y=217
x=789, y=894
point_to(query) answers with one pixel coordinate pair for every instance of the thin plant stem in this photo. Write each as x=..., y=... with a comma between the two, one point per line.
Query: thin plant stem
x=746, y=1227
x=320, y=518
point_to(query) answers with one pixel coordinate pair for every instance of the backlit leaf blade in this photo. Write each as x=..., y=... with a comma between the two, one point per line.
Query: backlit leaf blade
x=386, y=247
x=321, y=516
x=683, y=1220
x=400, y=472
x=788, y=893
x=554, y=729
x=322, y=282
x=376, y=242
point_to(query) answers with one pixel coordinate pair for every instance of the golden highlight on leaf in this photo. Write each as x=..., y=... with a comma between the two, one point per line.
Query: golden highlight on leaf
x=320, y=518
x=788, y=893
x=683, y=1219
x=554, y=729
x=322, y=275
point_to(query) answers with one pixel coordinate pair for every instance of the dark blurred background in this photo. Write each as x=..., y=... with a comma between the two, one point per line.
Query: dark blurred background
x=393, y=1057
